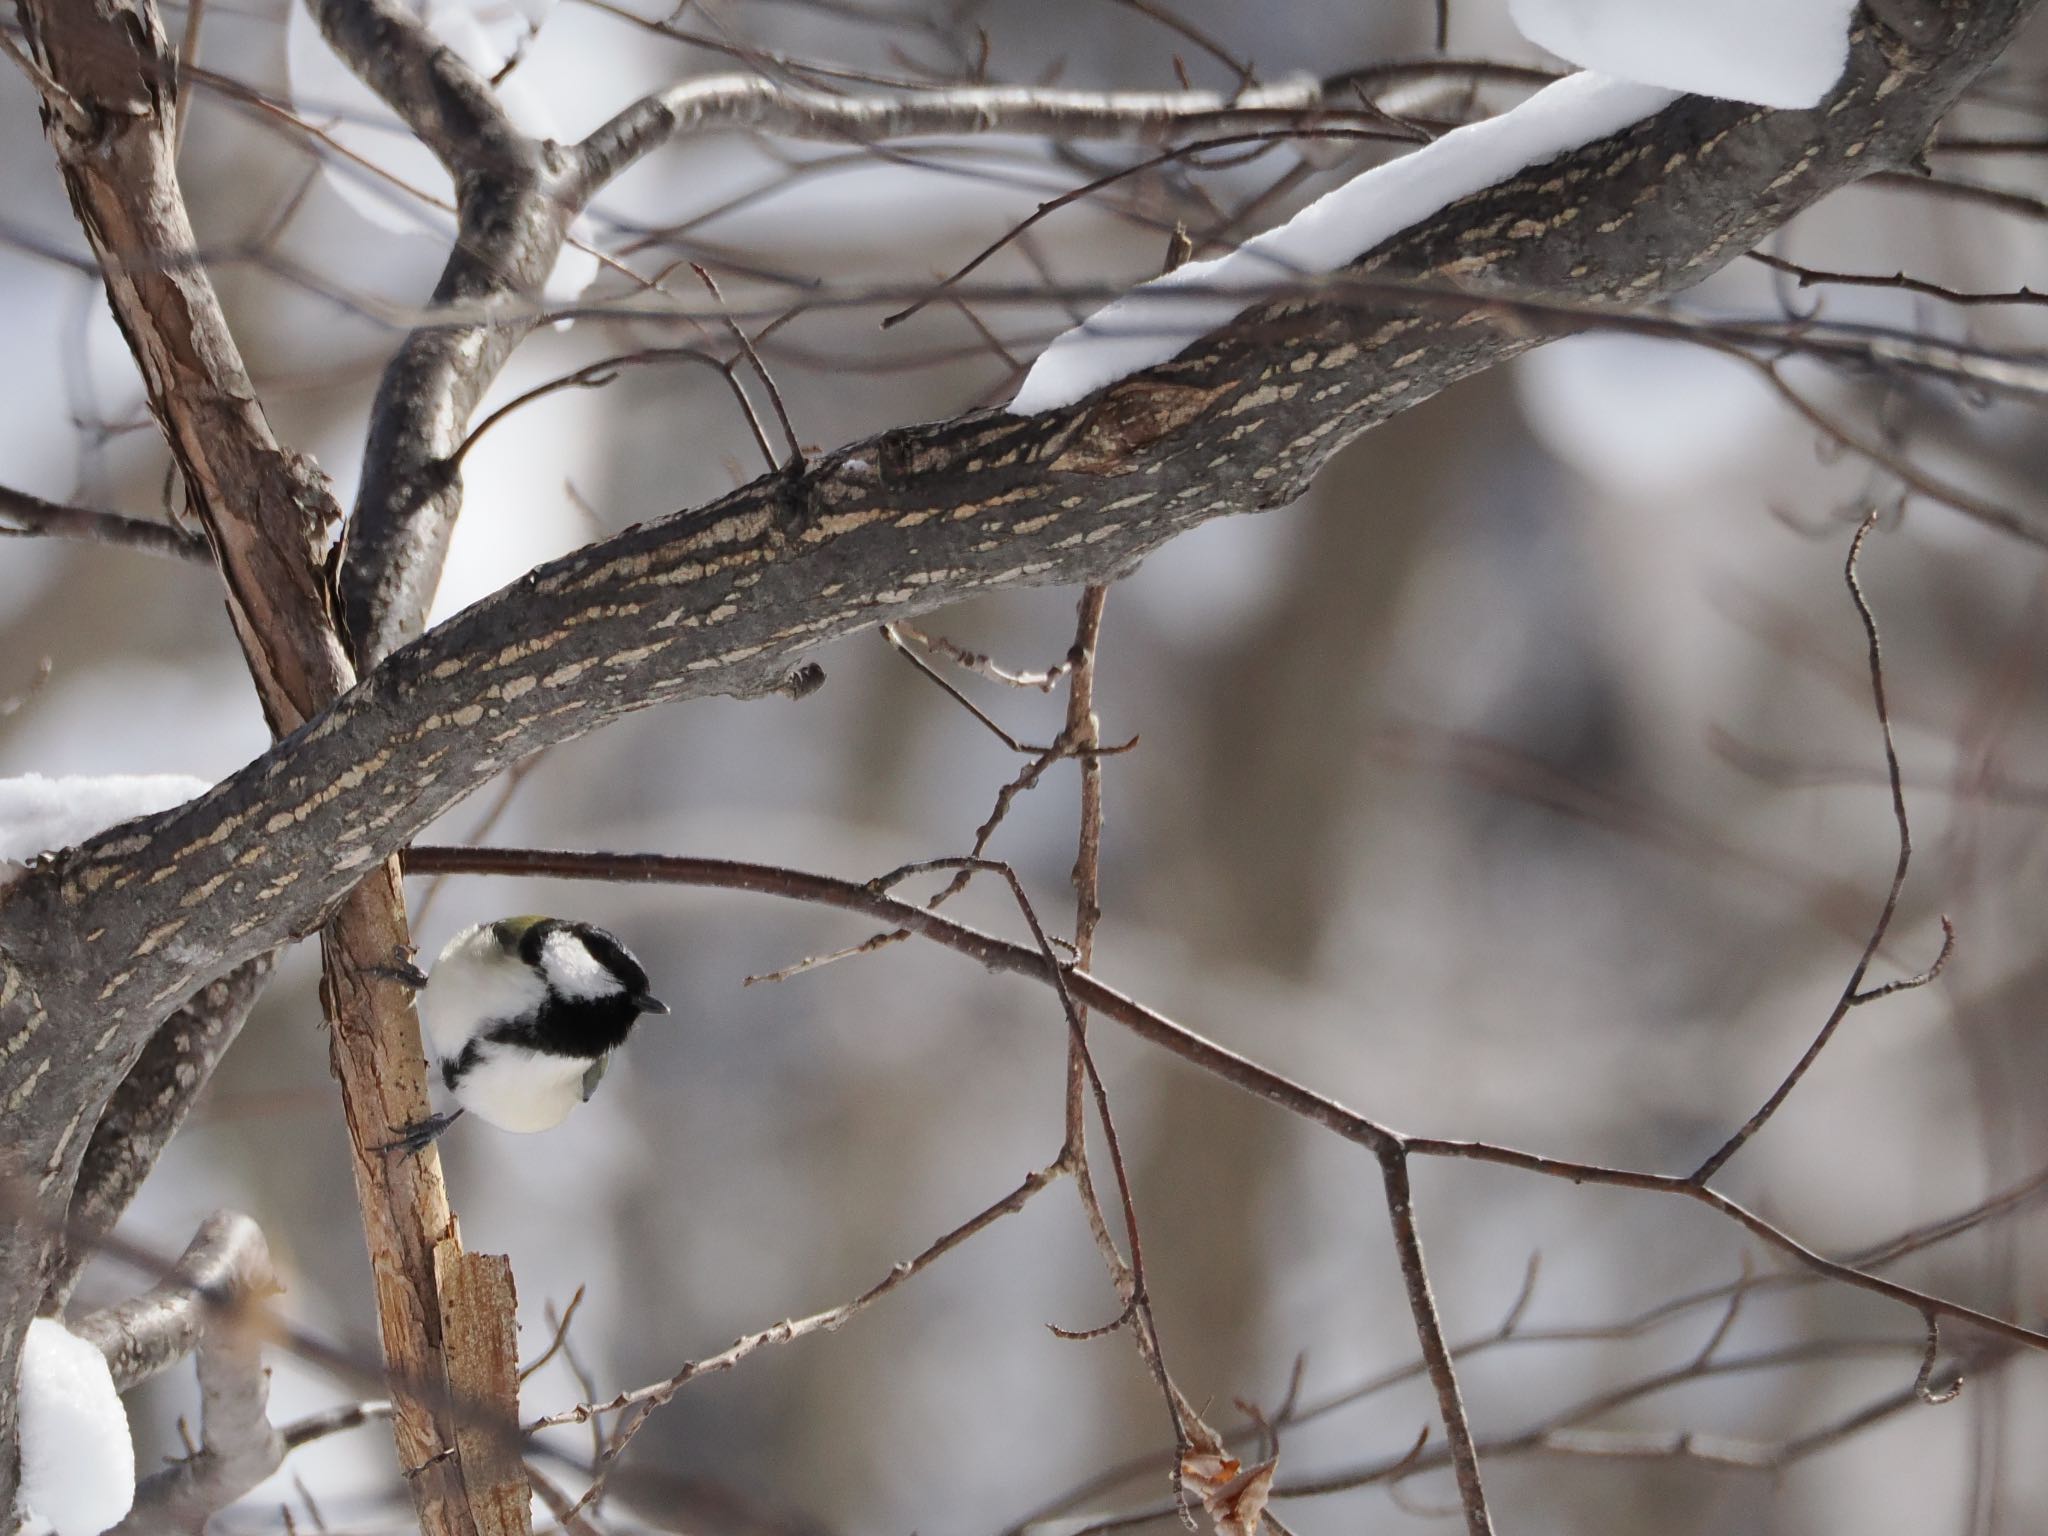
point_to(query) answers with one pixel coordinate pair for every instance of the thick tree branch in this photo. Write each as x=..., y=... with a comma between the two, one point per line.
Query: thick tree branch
x=513, y=213
x=224, y=1267
x=266, y=510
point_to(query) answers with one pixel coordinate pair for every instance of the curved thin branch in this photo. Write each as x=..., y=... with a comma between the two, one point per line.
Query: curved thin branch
x=998, y=954
x=1852, y=994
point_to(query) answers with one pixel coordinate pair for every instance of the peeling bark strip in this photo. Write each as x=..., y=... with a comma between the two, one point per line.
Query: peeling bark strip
x=98, y=945
x=110, y=114
x=481, y=1331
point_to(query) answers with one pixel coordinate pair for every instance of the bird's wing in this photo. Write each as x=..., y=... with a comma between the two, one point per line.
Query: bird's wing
x=594, y=1076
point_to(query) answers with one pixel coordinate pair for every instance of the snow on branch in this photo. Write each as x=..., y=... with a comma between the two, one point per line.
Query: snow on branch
x=1639, y=58
x=1775, y=53
x=1157, y=321
x=38, y=814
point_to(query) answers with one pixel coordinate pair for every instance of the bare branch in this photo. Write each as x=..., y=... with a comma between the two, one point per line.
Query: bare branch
x=997, y=954
x=754, y=103
x=24, y=515
x=1852, y=994
x=1810, y=277
x=1429, y=1330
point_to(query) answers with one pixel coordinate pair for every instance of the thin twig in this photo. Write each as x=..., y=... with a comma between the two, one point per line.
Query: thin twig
x=25, y=516
x=892, y=634
x=982, y=665
x=561, y=1335
x=596, y=376
x=1429, y=1331
x=645, y=1400
x=1852, y=995
x=1923, y=1382
x=942, y=286
x=745, y=342
x=1809, y=277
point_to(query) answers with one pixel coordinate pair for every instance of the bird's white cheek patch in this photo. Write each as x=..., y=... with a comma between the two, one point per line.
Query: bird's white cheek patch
x=573, y=971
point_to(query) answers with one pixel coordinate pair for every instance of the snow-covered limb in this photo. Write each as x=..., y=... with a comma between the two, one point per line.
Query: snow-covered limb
x=1639, y=56
x=38, y=814
x=1158, y=320
x=204, y=1305
x=1776, y=53
x=77, y=1459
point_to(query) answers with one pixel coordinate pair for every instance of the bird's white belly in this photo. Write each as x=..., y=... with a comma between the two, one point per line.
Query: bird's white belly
x=520, y=1090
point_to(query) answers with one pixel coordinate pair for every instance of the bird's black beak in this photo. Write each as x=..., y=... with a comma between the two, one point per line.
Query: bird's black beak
x=648, y=1004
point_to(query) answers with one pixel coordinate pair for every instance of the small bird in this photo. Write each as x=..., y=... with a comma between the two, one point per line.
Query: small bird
x=523, y=1015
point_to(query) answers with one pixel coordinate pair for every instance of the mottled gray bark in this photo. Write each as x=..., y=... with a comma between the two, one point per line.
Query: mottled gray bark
x=147, y=1109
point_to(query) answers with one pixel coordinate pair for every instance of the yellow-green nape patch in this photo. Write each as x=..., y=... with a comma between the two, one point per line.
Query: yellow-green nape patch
x=510, y=930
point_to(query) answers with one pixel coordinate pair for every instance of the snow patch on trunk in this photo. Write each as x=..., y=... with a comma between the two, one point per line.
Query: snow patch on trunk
x=77, y=1458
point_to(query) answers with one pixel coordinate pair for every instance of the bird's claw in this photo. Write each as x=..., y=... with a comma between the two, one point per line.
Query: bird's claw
x=416, y=1138
x=399, y=969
